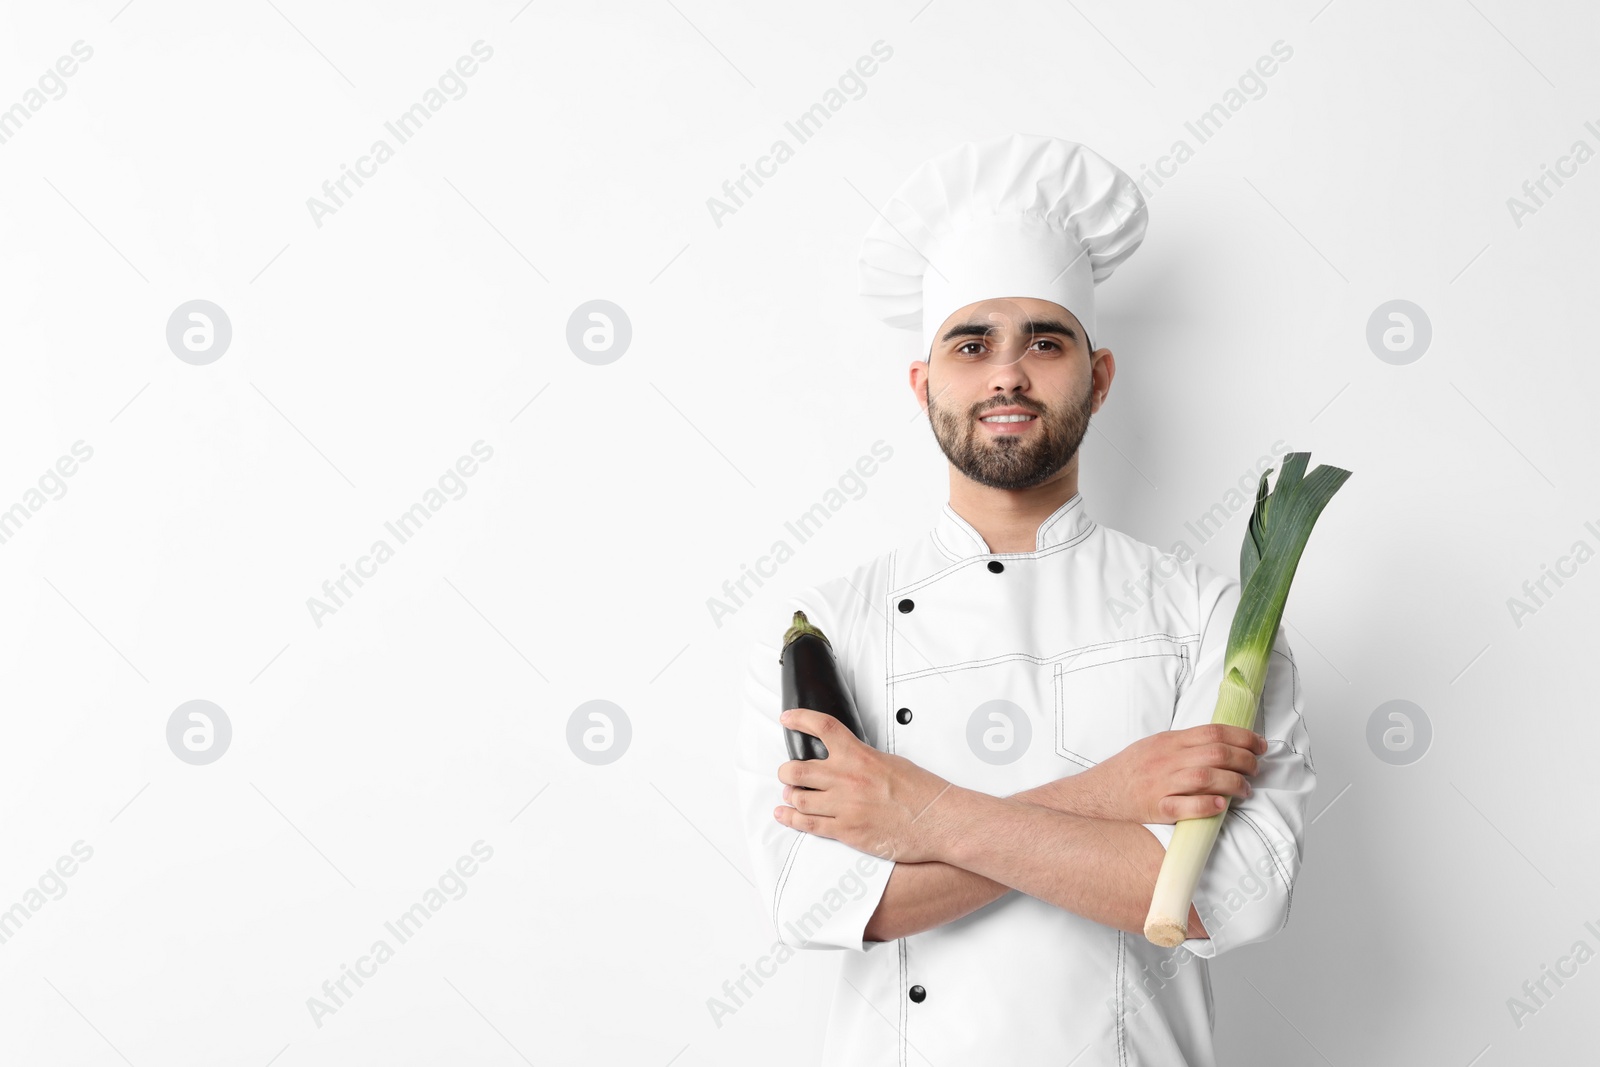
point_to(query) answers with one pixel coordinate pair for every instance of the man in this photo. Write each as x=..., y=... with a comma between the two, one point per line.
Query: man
x=1036, y=688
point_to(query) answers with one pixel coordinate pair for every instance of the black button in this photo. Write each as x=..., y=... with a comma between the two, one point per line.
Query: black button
x=906, y=605
x=918, y=994
x=996, y=566
x=903, y=715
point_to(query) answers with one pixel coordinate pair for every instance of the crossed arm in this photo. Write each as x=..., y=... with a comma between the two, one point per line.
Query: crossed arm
x=1042, y=842
x=1079, y=843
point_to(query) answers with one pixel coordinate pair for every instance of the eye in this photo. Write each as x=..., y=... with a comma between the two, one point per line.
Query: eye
x=961, y=349
x=1046, y=341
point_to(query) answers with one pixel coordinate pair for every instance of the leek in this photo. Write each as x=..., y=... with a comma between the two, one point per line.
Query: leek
x=1276, y=535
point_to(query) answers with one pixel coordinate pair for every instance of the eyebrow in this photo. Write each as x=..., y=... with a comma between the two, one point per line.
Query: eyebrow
x=1034, y=327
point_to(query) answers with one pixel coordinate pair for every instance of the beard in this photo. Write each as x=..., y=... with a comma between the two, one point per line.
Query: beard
x=1011, y=461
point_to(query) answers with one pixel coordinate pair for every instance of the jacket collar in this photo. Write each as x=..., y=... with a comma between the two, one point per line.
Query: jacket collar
x=957, y=538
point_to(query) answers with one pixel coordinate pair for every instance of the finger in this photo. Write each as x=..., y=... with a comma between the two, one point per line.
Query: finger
x=795, y=820
x=819, y=802
x=1211, y=780
x=804, y=772
x=1231, y=783
x=1237, y=736
x=800, y=800
x=1176, y=809
x=1225, y=756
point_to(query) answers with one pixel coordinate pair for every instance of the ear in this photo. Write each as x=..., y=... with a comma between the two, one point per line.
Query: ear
x=919, y=382
x=1102, y=369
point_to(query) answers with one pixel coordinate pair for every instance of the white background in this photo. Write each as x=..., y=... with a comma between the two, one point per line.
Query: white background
x=430, y=312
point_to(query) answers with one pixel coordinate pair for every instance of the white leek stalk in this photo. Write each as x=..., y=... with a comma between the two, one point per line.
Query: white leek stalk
x=1279, y=526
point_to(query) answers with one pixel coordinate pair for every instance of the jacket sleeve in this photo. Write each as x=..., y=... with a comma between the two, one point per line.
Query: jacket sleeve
x=818, y=893
x=1245, y=890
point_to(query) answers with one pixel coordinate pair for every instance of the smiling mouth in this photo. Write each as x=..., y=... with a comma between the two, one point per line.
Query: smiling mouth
x=1007, y=425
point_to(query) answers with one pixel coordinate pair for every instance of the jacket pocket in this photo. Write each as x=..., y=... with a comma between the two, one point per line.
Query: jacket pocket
x=1109, y=697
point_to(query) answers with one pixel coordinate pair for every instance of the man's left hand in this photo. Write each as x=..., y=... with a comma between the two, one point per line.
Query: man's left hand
x=875, y=802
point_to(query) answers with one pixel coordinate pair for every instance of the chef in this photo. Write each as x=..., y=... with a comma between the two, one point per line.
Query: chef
x=1036, y=688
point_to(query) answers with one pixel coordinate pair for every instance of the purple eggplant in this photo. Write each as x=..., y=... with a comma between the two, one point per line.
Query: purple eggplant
x=811, y=679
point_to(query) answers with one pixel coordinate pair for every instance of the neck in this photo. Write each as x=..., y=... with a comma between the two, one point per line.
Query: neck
x=1008, y=519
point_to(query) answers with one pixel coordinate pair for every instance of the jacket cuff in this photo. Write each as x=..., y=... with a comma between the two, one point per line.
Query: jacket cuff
x=826, y=894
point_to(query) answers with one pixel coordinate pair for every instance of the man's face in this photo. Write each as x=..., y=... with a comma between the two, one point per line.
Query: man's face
x=1023, y=356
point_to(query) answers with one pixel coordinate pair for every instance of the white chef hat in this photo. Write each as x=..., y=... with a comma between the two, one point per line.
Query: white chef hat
x=1017, y=216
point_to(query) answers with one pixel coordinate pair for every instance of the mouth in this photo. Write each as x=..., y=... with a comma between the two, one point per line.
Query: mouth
x=1006, y=425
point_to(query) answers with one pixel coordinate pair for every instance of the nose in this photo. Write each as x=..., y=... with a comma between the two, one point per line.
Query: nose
x=1006, y=371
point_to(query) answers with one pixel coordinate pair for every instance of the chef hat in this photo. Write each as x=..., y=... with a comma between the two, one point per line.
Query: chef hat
x=1017, y=216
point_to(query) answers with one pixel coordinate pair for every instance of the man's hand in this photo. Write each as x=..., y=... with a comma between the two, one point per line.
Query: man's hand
x=875, y=802
x=1173, y=775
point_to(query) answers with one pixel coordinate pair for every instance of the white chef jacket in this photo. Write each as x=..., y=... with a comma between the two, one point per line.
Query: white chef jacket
x=925, y=636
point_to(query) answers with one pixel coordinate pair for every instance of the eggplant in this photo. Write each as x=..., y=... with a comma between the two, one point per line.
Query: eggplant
x=811, y=679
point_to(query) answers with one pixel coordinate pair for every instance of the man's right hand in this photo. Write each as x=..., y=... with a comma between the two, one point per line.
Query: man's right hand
x=1163, y=778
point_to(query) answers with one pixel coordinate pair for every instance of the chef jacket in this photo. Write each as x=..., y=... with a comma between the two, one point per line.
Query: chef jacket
x=1000, y=671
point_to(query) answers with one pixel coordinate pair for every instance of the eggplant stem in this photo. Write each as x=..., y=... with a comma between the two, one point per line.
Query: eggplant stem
x=799, y=628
